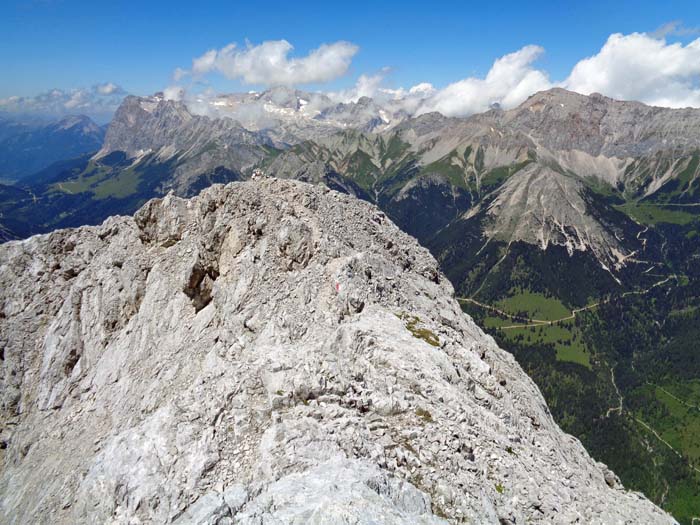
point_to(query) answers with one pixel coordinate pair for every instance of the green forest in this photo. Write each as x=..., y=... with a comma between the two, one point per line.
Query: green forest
x=622, y=375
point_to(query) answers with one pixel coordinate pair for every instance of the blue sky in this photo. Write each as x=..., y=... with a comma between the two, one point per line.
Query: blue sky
x=469, y=54
x=68, y=44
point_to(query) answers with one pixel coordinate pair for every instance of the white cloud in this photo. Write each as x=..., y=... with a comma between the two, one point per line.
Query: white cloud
x=99, y=101
x=422, y=89
x=179, y=74
x=366, y=86
x=269, y=63
x=641, y=67
x=107, y=89
x=207, y=61
x=674, y=28
x=175, y=93
x=511, y=79
x=372, y=86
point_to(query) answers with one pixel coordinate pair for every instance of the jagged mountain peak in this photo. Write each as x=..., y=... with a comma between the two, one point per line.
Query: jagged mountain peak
x=153, y=124
x=265, y=339
x=289, y=97
x=558, y=95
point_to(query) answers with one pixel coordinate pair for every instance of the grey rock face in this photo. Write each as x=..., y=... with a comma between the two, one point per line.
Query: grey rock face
x=268, y=352
x=541, y=206
x=563, y=120
x=159, y=130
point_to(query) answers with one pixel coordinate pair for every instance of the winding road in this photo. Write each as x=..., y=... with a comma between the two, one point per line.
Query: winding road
x=530, y=322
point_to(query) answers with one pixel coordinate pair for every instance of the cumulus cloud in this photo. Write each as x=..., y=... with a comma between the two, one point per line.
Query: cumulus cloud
x=372, y=86
x=179, y=74
x=511, y=79
x=648, y=67
x=365, y=86
x=269, y=63
x=641, y=67
x=175, y=93
x=107, y=89
x=100, y=101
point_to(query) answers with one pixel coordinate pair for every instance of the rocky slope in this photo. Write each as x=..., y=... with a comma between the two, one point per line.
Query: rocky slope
x=539, y=205
x=268, y=351
x=155, y=130
x=561, y=120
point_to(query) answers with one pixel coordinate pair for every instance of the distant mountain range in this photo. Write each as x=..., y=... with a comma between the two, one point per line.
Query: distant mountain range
x=549, y=172
x=29, y=146
x=564, y=218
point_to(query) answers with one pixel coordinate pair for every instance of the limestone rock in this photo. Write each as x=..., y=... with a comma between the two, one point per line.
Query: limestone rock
x=268, y=352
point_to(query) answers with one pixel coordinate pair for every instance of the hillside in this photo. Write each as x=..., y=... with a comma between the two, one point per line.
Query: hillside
x=216, y=358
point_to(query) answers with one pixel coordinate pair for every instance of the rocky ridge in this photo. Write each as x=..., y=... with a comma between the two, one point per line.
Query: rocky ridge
x=269, y=351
